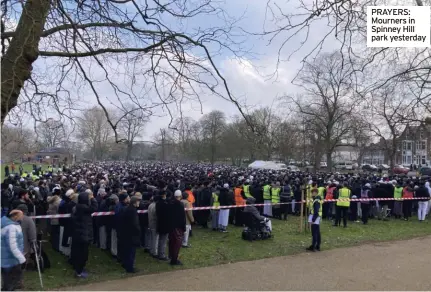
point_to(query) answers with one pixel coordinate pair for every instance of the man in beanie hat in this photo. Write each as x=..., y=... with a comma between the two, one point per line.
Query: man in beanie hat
x=177, y=229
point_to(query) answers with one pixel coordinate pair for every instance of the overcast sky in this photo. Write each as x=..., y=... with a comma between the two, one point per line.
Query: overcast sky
x=248, y=77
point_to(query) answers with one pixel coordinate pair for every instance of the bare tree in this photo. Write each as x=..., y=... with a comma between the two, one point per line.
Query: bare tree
x=389, y=110
x=213, y=125
x=94, y=131
x=328, y=100
x=131, y=126
x=345, y=22
x=52, y=134
x=136, y=49
x=16, y=142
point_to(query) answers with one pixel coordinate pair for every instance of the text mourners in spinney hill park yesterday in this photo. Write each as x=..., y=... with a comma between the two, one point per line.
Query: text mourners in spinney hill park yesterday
x=398, y=26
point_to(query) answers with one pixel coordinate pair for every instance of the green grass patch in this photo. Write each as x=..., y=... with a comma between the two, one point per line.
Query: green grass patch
x=28, y=167
x=213, y=248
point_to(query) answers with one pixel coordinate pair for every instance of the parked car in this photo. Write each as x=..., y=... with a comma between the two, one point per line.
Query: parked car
x=384, y=167
x=369, y=167
x=348, y=165
x=399, y=169
x=293, y=168
x=425, y=171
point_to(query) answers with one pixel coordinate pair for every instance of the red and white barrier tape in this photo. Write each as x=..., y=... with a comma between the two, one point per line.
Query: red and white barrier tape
x=238, y=206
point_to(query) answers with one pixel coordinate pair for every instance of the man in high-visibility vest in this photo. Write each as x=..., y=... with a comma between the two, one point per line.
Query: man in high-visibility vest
x=239, y=200
x=314, y=219
x=398, y=204
x=275, y=200
x=246, y=189
x=342, y=206
x=267, y=208
x=215, y=212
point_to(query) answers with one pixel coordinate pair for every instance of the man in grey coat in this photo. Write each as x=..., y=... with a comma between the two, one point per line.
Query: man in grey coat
x=29, y=231
x=252, y=209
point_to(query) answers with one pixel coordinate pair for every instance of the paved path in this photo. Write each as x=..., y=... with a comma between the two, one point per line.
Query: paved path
x=402, y=265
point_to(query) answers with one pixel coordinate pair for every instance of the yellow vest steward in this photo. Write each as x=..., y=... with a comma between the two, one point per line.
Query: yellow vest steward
x=344, y=193
x=216, y=203
x=246, y=189
x=320, y=191
x=320, y=208
x=275, y=195
x=266, y=192
x=24, y=175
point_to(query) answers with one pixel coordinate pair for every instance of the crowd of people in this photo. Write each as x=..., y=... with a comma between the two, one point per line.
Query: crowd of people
x=164, y=190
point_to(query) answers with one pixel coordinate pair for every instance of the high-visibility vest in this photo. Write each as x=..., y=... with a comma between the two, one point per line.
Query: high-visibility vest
x=320, y=208
x=320, y=191
x=49, y=169
x=216, y=203
x=330, y=193
x=344, y=193
x=238, y=198
x=190, y=198
x=275, y=195
x=267, y=192
x=247, y=191
x=398, y=193
x=310, y=196
x=24, y=174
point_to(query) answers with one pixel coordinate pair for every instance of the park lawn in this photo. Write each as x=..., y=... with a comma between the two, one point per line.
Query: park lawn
x=28, y=167
x=213, y=248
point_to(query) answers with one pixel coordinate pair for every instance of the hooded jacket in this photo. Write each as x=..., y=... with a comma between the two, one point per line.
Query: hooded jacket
x=252, y=209
x=54, y=203
x=12, y=243
x=82, y=222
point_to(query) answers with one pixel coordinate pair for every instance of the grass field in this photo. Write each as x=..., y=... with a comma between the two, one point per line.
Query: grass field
x=213, y=248
x=28, y=167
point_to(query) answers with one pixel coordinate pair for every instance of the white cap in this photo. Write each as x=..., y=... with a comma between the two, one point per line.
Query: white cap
x=226, y=186
x=368, y=185
x=21, y=179
x=178, y=193
x=69, y=193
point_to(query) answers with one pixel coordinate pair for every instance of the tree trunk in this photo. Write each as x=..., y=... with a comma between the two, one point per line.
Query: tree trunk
x=329, y=160
x=129, y=150
x=23, y=50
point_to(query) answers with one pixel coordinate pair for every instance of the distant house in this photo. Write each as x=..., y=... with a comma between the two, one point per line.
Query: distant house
x=345, y=153
x=55, y=155
x=375, y=154
x=415, y=145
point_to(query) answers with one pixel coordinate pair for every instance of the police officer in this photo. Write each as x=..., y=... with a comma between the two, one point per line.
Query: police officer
x=314, y=219
x=342, y=206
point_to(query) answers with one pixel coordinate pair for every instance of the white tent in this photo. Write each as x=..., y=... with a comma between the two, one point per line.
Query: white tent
x=261, y=164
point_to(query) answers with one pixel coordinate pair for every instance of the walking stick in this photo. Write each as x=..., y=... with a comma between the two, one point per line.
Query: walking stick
x=37, y=263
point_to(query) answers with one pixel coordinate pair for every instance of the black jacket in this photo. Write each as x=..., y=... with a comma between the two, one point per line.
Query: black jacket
x=204, y=197
x=177, y=216
x=131, y=229
x=163, y=216
x=82, y=222
x=226, y=197
x=422, y=191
